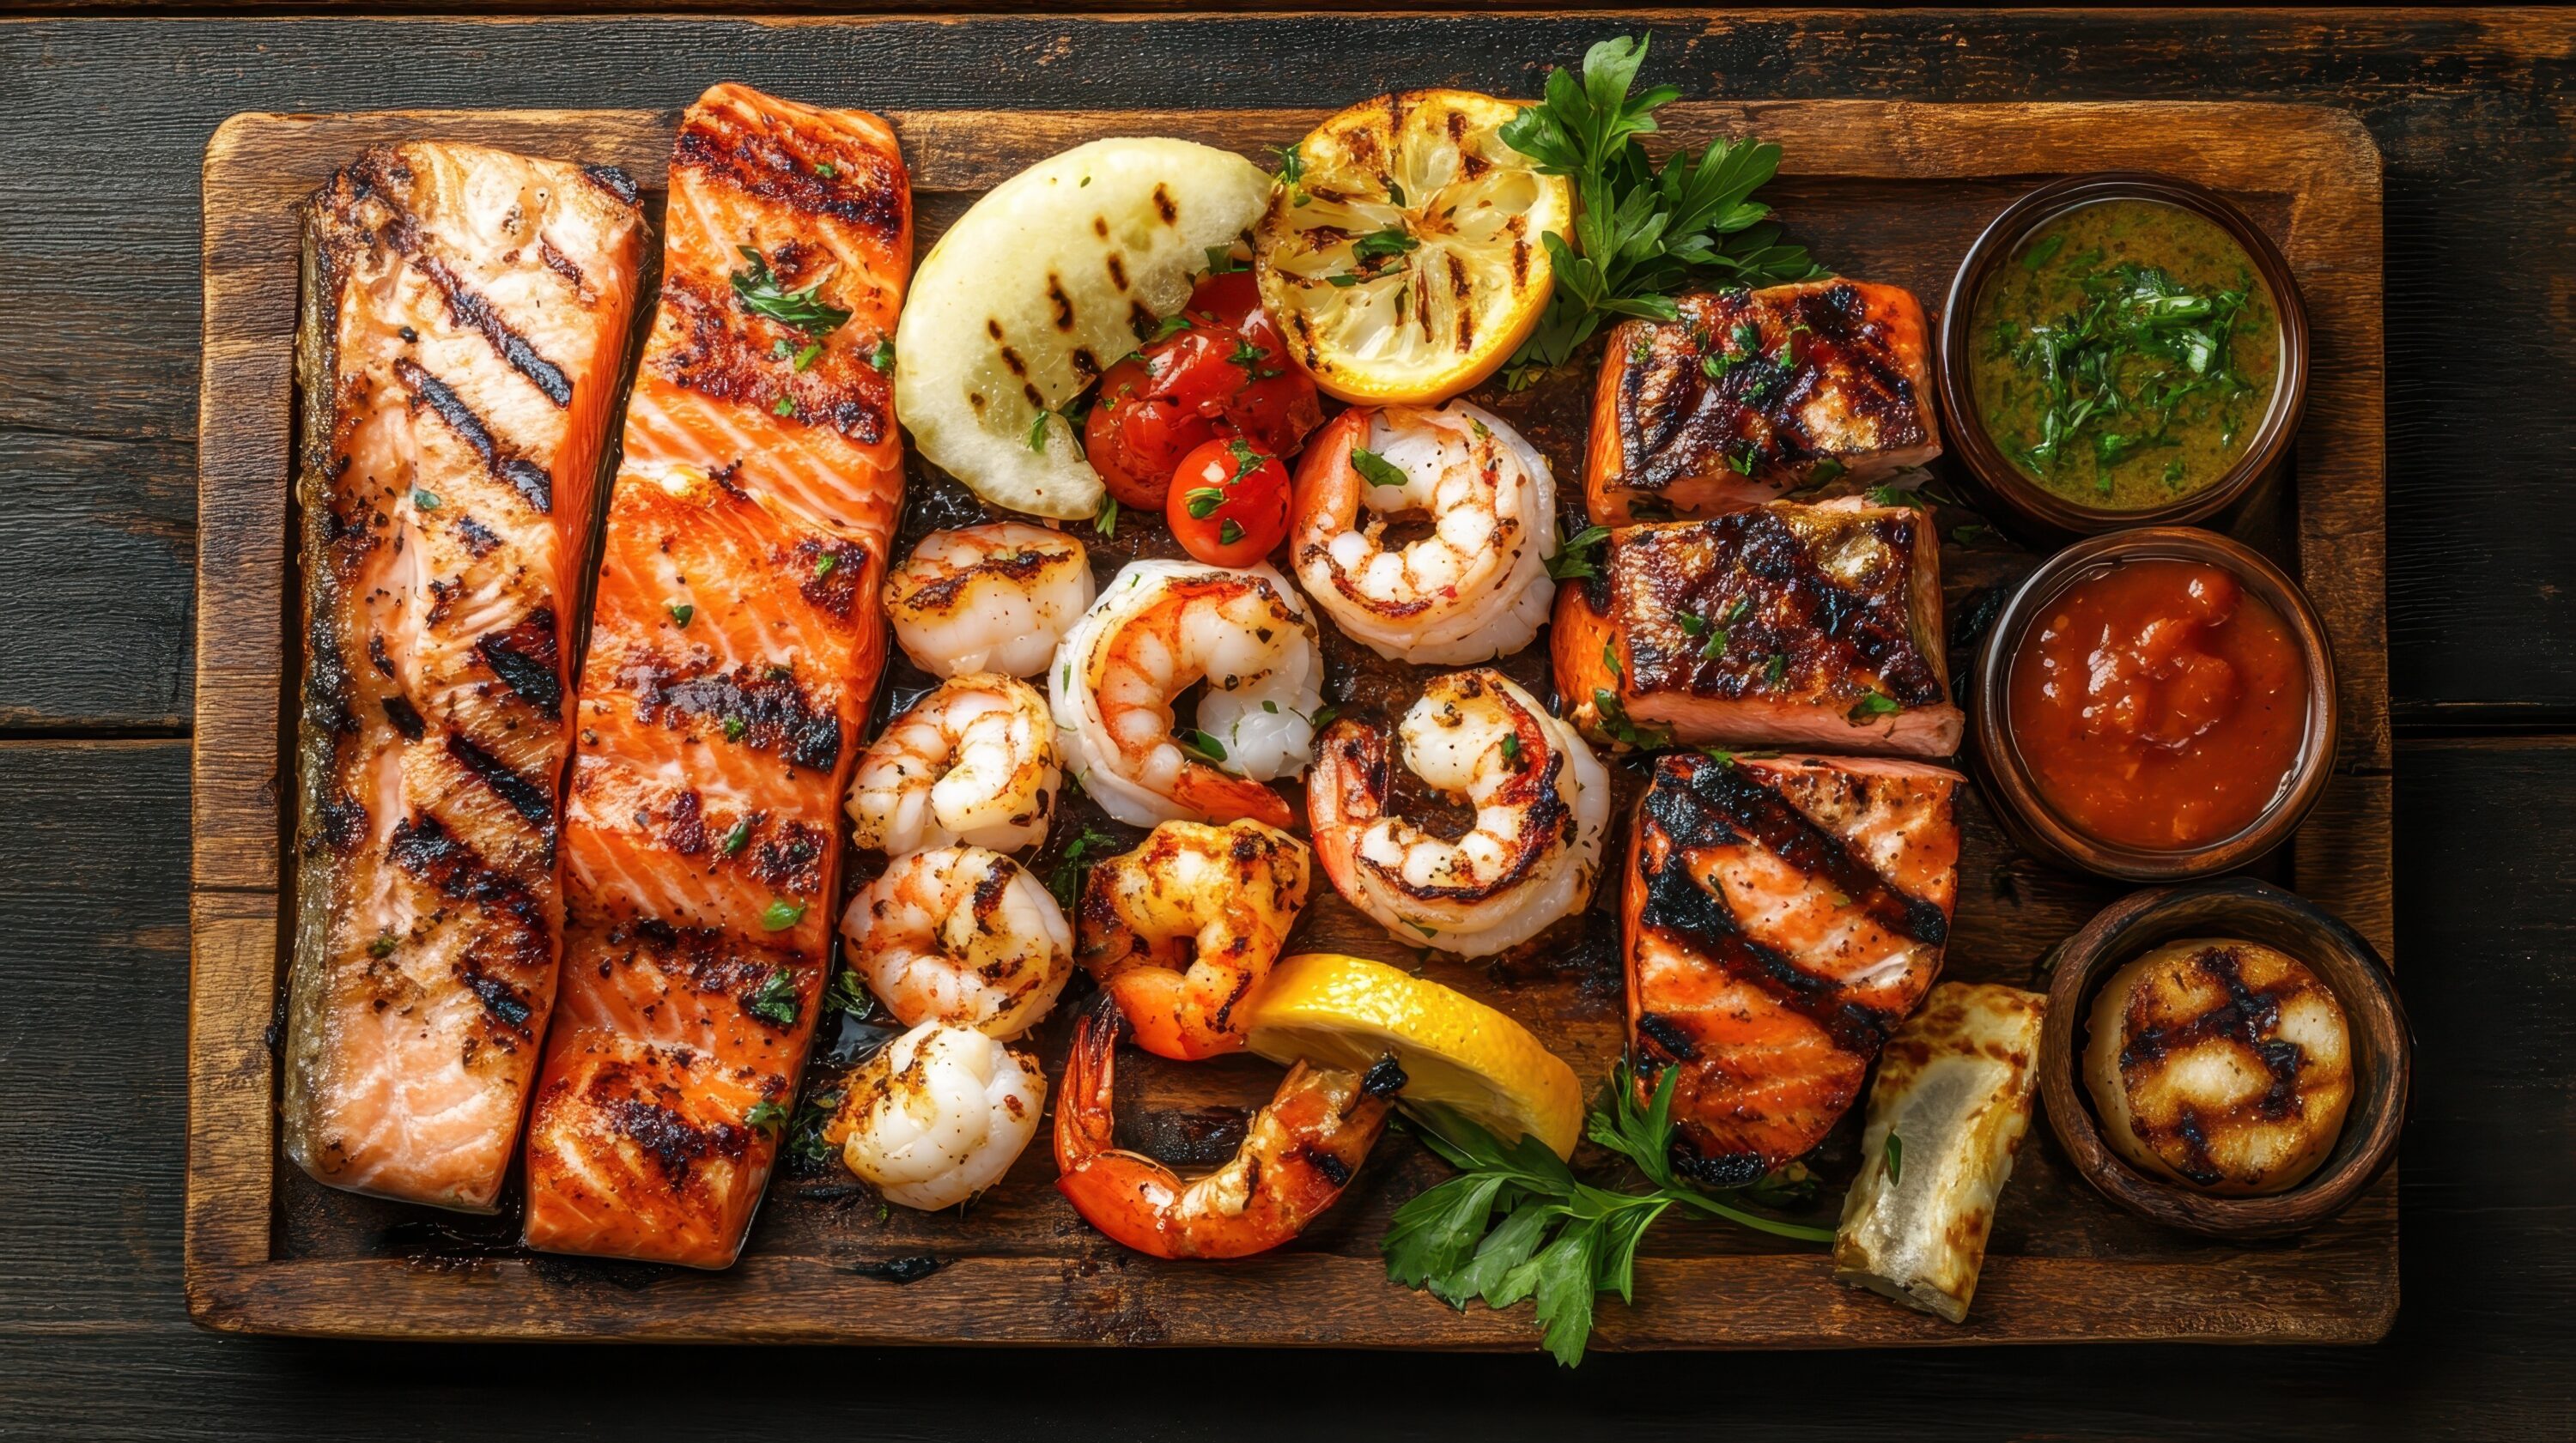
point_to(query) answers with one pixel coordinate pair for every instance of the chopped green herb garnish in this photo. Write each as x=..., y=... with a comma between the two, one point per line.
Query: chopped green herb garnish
x=1828, y=469
x=2041, y=253
x=776, y=1001
x=781, y=914
x=1228, y=533
x=1037, y=430
x=1202, y=501
x=766, y=1114
x=1512, y=750
x=824, y=563
x=1066, y=884
x=1578, y=555
x=1383, y=244
x=425, y=500
x=681, y=611
x=826, y=169
x=1896, y=496
x=849, y=993
x=382, y=946
x=786, y=406
x=762, y=294
x=805, y=357
x=734, y=840
x=1105, y=521
x=1876, y=704
x=734, y=727
x=1775, y=669
x=1894, y=1152
x=1376, y=469
x=883, y=356
x=1205, y=745
x=1221, y=261
x=1168, y=327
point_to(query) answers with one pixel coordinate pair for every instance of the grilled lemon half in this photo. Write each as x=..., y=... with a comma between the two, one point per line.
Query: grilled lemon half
x=1400, y=252
x=1456, y=1052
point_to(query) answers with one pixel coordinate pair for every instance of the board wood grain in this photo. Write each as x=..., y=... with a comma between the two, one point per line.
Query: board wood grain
x=269, y=1251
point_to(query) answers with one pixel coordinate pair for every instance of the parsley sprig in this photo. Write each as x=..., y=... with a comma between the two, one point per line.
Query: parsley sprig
x=762, y=293
x=1518, y=1224
x=1641, y=231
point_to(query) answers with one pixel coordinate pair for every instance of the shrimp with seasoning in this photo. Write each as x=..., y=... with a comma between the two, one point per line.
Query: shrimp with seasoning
x=1182, y=930
x=1477, y=585
x=960, y=935
x=1542, y=801
x=973, y=762
x=1298, y=1153
x=938, y=1115
x=995, y=597
x=1159, y=628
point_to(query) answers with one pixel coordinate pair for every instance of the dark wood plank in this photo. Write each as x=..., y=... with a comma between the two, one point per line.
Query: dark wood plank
x=2458, y=101
x=94, y=1341
x=2063, y=1264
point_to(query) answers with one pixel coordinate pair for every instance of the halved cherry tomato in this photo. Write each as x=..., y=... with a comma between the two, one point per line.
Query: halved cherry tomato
x=1229, y=503
x=1221, y=371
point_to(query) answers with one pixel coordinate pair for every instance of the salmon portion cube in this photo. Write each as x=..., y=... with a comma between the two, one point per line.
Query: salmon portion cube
x=1750, y=395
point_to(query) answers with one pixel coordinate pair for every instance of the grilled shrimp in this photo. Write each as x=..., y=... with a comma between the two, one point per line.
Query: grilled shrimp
x=1182, y=930
x=1477, y=586
x=938, y=1115
x=1541, y=800
x=974, y=762
x=995, y=597
x=960, y=935
x=1298, y=1153
x=1158, y=628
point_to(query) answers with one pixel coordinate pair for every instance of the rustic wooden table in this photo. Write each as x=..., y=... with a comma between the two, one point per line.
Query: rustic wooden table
x=98, y=356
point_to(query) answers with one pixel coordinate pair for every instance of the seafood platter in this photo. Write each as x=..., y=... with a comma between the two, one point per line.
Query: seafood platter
x=1579, y=721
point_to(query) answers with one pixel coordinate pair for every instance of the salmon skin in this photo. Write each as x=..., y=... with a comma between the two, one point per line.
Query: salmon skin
x=734, y=645
x=1784, y=625
x=1780, y=917
x=466, y=313
x=1750, y=395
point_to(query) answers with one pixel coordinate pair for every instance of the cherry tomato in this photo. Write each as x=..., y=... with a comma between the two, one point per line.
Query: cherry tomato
x=1229, y=503
x=1221, y=370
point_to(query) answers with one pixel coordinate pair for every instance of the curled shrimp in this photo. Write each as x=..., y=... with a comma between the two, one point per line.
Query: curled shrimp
x=1159, y=628
x=1542, y=801
x=974, y=762
x=995, y=597
x=960, y=935
x=1298, y=1153
x=938, y=1115
x=1182, y=930
x=1477, y=585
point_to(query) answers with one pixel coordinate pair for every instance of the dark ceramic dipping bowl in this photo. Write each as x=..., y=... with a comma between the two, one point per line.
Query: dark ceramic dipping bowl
x=2002, y=240
x=2019, y=803
x=2252, y=911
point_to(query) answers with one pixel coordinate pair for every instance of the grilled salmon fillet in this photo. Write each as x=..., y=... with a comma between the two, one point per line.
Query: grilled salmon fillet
x=466, y=313
x=1783, y=625
x=734, y=645
x=1780, y=916
x=1750, y=395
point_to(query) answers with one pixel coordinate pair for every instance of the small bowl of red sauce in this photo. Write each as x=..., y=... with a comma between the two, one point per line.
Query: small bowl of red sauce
x=2156, y=705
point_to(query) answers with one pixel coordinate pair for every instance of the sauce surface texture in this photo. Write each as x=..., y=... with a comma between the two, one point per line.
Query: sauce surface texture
x=2125, y=354
x=2157, y=705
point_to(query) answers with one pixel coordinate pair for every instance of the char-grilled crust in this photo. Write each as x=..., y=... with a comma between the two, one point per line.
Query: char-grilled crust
x=1748, y=395
x=456, y=385
x=1781, y=916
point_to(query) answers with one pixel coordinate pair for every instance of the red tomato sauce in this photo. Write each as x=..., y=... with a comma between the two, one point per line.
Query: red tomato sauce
x=2159, y=706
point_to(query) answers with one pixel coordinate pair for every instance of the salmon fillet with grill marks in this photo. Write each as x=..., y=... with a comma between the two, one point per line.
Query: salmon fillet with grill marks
x=1750, y=395
x=1784, y=625
x=1781, y=916
x=466, y=311
x=734, y=645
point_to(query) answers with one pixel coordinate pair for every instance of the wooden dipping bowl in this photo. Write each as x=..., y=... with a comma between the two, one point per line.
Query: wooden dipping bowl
x=2238, y=907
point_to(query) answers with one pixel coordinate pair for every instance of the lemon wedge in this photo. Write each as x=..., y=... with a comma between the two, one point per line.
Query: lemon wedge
x=1400, y=252
x=1456, y=1052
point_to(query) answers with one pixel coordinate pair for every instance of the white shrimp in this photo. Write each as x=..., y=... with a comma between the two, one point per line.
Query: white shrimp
x=974, y=761
x=1477, y=585
x=1542, y=801
x=938, y=1115
x=961, y=935
x=1158, y=628
x=995, y=597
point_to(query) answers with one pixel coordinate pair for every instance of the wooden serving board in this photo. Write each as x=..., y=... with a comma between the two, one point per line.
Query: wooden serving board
x=1889, y=192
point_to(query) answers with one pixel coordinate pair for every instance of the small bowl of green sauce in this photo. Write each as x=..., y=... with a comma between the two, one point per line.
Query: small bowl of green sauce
x=2123, y=349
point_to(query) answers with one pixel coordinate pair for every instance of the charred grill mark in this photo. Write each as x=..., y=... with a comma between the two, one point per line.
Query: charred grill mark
x=672, y=1141
x=405, y=717
x=530, y=801
x=1834, y=637
x=1335, y=1171
x=835, y=588
x=1669, y=1037
x=467, y=307
x=526, y=477
x=789, y=861
x=614, y=181
x=562, y=265
x=330, y=692
x=1532, y=789
x=864, y=190
x=1020, y=568
x=1164, y=207
x=1062, y=303
x=1761, y=814
x=423, y=847
x=527, y=660
x=502, y=1002
x=2242, y=1021
x=761, y=710
x=479, y=539
x=340, y=822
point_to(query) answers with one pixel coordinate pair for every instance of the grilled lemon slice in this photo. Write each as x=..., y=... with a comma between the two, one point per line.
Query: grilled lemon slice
x=1400, y=249
x=1456, y=1052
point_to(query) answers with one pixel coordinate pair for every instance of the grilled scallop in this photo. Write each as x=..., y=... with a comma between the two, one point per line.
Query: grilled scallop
x=2222, y=1065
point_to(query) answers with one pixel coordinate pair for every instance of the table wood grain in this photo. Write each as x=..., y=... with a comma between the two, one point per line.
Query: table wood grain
x=98, y=319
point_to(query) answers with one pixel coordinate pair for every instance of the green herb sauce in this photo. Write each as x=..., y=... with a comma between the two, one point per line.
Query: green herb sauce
x=2125, y=354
